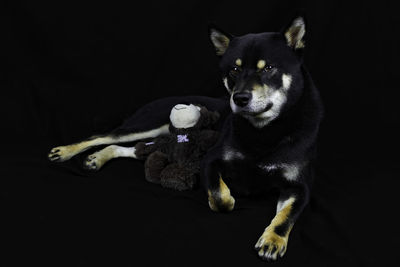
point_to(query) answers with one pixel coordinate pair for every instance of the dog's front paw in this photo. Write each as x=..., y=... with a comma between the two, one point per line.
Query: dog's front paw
x=61, y=153
x=221, y=204
x=220, y=199
x=271, y=245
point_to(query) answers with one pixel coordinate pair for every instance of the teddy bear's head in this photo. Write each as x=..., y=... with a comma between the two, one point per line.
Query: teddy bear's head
x=186, y=116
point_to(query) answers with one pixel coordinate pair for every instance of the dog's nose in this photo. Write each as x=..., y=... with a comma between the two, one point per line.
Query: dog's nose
x=241, y=99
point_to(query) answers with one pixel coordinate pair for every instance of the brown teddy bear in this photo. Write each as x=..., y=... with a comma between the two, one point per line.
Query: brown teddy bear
x=173, y=160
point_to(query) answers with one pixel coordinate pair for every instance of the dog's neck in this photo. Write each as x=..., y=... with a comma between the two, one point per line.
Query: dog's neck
x=269, y=136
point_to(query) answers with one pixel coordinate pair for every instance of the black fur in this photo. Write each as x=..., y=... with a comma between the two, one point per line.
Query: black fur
x=286, y=139
x=289, y=138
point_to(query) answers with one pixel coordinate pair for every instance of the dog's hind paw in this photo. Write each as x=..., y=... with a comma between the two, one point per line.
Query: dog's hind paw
x=92, y=163
x=61, y=153
x=96, y=160
x=271, y=245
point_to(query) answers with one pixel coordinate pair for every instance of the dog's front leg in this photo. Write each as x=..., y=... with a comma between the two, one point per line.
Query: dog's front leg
x=274, y=240
x=219, y=195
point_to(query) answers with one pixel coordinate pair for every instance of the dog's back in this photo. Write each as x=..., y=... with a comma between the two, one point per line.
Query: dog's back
x=156, y=113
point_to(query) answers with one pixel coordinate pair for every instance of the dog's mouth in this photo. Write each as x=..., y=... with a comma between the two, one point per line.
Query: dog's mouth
x=255, y=114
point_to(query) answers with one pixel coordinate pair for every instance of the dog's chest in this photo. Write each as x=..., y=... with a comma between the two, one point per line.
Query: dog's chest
x=243, y=175
x=232, y=154
x=288, y=171
x=248, y=173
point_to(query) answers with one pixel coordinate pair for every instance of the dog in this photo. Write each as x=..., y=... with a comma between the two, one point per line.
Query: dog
x=268, y=128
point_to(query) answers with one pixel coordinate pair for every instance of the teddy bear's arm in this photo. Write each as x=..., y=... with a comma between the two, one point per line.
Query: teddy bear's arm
x=144, y=149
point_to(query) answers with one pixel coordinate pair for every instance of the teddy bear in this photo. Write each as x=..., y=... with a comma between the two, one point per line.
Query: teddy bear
x=173, y=160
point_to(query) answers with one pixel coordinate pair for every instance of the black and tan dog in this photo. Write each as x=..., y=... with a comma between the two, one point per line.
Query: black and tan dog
x=268, y=128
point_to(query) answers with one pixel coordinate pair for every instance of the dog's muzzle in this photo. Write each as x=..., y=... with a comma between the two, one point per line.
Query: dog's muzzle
x=241, y=99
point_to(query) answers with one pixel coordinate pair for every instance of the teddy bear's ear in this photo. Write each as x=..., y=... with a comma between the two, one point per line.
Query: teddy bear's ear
x=208, y=117
x=214, y=116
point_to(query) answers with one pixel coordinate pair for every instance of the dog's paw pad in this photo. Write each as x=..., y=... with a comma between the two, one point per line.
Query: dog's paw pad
x=60, y=153
x=270, y=246
x=91, y=163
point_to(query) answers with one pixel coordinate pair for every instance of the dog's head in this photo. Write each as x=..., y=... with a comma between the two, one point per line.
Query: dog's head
x=262, y=72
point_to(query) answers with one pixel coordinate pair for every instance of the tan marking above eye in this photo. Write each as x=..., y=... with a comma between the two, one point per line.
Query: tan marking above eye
x=238, y=62
x=261, y=64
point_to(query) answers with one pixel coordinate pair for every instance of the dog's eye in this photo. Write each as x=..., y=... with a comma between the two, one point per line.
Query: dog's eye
x=267, y=68
x=234, y=71
x=235, y=68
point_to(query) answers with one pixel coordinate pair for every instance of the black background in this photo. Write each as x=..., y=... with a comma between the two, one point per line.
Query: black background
x=71, y=69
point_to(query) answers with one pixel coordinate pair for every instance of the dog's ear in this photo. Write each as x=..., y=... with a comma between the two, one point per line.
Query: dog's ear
x=219, y=39
x=294, y=33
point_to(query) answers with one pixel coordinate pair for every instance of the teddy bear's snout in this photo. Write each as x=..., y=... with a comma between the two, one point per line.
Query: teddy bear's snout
x=180, y=106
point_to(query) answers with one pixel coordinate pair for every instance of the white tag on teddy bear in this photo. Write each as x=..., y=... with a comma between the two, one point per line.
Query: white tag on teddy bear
x=182, y=138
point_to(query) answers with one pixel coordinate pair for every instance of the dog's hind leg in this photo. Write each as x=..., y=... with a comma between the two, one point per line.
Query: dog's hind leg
x=96, y=160
x=63, y=153
x=149, y=121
